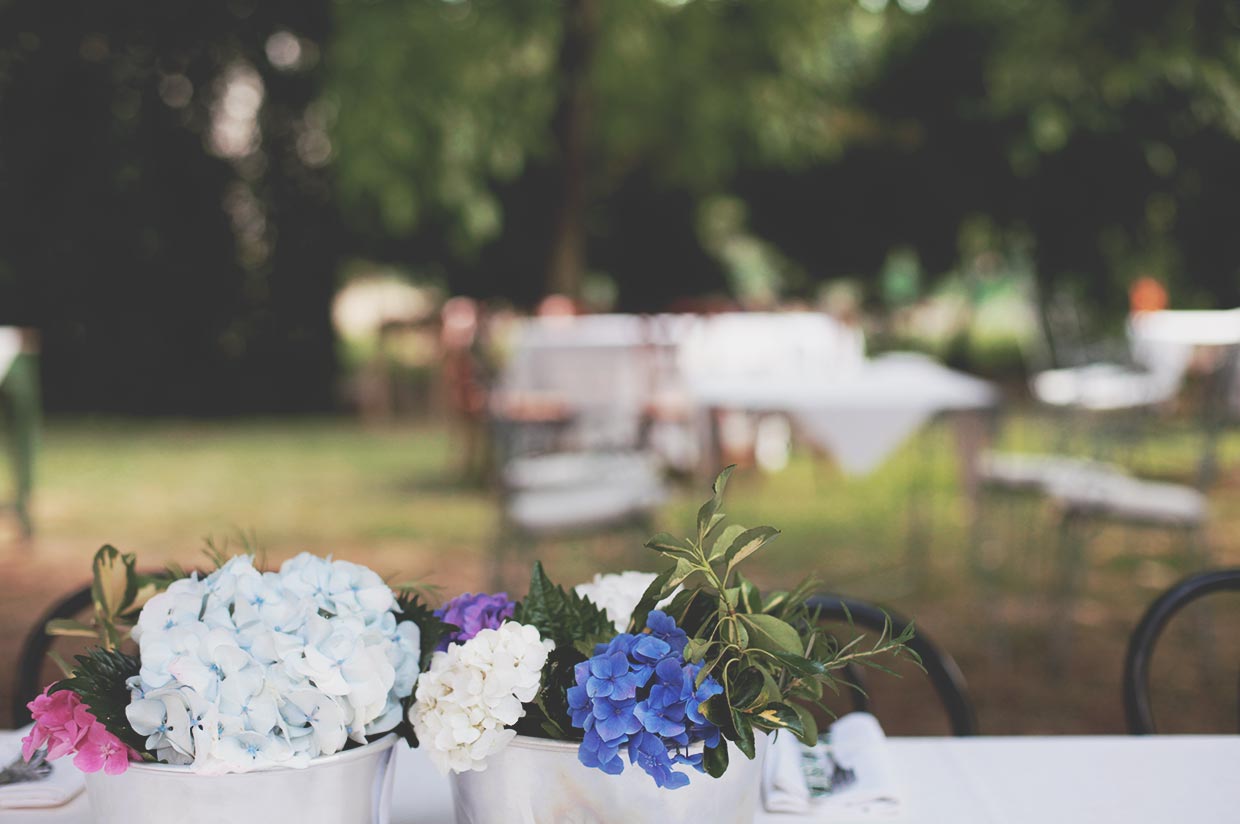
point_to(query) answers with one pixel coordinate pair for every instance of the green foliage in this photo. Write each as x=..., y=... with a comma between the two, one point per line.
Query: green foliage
x=575, y=624
x=118, y=592
x=563, y=616
x=99, y=680
x=431, y=628
x=768, y=653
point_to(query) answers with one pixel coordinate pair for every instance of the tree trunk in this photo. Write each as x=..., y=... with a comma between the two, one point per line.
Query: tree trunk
x=566, y=262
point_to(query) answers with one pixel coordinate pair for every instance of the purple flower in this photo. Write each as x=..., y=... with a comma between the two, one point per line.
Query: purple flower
x=471, y=614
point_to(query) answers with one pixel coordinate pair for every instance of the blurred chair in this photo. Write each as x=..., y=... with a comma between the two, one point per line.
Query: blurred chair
x=1137, y=709
x=1086, y=500
x=32, y=662
x=940, y=667
x=19, y=402
x=573, y=494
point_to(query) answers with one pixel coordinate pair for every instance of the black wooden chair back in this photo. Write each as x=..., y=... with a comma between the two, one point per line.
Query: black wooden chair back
x=1137, y=707
x=941, y=668
x=35, y=649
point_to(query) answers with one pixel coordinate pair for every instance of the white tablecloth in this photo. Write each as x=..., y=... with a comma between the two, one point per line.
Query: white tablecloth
x=862, y=417
x=1060, y=780
x=1188, y=327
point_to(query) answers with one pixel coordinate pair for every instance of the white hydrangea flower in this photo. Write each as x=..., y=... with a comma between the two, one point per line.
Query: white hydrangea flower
x=473, y=692
x=617, y=594
x=167, y=720
x=243, y=670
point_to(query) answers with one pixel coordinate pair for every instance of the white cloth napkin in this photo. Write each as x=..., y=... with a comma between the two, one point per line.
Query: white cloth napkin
x=794, y=778
x=61, y=787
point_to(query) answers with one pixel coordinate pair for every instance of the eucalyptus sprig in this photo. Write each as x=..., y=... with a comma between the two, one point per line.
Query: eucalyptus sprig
x=769, y=653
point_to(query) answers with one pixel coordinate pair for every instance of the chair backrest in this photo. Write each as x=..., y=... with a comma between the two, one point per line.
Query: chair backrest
x=35, y=649
x=1214, y=414
x=1137, y=709
x=941, y=668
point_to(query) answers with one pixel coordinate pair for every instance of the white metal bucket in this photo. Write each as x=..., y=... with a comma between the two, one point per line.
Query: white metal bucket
x=537, y=781
x=351, y=787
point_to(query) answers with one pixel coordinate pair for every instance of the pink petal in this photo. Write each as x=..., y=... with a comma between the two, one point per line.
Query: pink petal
x=88, y=759
x=116, y=763
x=34, y=740
x=59, y=744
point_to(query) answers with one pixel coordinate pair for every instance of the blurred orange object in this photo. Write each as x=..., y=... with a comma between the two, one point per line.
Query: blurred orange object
x=1147, y=295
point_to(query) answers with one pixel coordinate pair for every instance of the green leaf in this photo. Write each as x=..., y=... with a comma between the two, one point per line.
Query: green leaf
x=744, y=733
x=706, y=518
x=430, y=627
x=693, y=610
x=114, y=582
x=770, y=689
x=745, y=689
x=715, y=759
x=766, y=632
x=695, y=649
x=730, y=533
x=672, y=546
x=800, y=665
x=563, y=617
x=653, y=594
x=683, y=569
x=717, y=712
x=99, y=680
x=67, y=627
x=751, y=598
x=781, y=717
x=809, y=726
x=747, y=543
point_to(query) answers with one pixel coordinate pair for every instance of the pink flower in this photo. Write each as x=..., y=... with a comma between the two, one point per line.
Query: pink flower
x=101, y=750
x=67, y=727
x=60, y=722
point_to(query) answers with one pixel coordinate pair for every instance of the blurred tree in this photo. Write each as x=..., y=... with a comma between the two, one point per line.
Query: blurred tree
x=178, y=180
x=453, y=119
x=165, y=216
x=1103, y=135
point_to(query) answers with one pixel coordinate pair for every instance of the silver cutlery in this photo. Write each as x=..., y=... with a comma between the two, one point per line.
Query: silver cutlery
x=20, y=771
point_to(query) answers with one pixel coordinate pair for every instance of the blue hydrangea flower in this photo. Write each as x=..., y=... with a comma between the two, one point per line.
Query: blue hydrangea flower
x=651, y=754
x=610, y=677
x=595, y=752
x=637, y=695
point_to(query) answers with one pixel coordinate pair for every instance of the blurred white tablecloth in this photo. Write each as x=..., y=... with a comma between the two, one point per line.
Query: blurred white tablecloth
x=860, y=417
x=1031, y=780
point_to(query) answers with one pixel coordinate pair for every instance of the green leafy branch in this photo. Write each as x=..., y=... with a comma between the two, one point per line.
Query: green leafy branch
x=769, y=654
x=576, y=624
x=118, y=592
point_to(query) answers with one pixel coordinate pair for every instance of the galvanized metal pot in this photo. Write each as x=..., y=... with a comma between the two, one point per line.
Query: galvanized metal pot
x=537, y=781
x=351, y=787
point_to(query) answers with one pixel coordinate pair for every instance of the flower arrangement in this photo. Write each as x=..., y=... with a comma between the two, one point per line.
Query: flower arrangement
x=242, y=669
x=236, y=670
x=659, y=671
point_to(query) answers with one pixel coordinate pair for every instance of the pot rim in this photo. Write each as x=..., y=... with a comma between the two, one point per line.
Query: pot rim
x=379, y=745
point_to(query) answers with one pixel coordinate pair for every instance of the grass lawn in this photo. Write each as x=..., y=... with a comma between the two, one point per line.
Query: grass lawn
x=391, y=498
